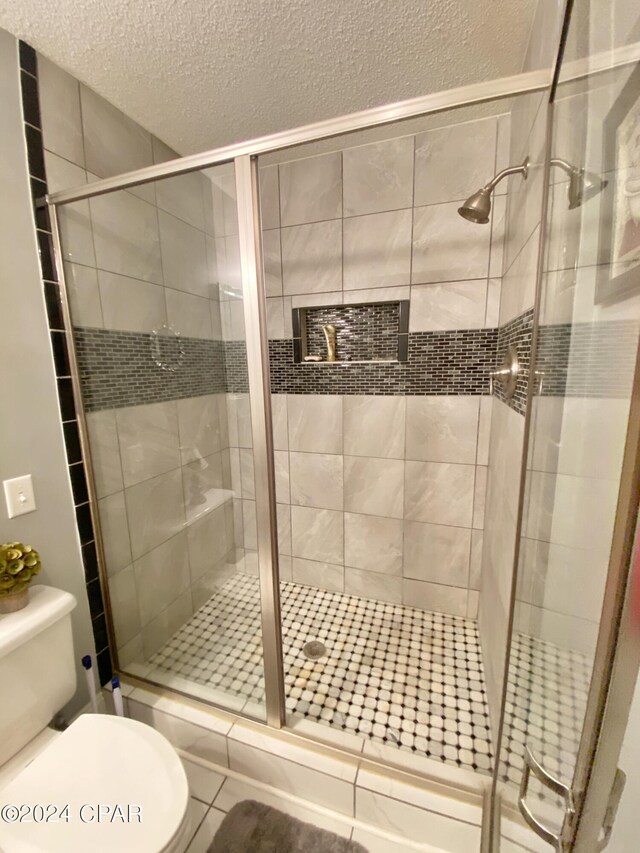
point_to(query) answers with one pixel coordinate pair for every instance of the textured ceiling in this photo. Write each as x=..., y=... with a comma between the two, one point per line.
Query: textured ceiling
x=203, y=73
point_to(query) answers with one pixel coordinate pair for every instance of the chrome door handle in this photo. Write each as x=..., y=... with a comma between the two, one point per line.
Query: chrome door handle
x=532, y=765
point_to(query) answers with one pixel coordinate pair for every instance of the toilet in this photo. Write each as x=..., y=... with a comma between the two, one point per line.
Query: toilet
x=106, y=783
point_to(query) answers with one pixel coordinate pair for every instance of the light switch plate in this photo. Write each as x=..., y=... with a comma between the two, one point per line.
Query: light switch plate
x=19, y=495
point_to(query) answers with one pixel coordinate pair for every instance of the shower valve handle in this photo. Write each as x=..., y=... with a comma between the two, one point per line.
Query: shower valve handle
x=507, y=374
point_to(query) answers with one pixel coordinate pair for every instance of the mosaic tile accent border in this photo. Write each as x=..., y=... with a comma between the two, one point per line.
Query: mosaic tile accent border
x=585, y=360
x=119, y=369
x=456, y=362
x=573, y=359
x=588, y=359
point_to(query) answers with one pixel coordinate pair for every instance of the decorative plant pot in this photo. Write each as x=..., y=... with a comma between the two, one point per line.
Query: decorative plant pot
x=15, y=601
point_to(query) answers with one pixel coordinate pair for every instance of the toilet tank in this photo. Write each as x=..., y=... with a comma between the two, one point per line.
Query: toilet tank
x=37, y=671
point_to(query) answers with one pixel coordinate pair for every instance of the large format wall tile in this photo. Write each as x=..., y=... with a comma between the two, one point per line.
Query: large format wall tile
x=453, y=162
x=434, y=596
x=130, y=305
x=317, y=534
x=313, y=573
x=115, y=532
x=208, y=541
x=435, y=553
x=199, y=424
x=113, y=142
x=272, y=254
x=439, y=493
x=449, y=305
x=312, y=257
x=125, y=235
x=373, y=486
x=201, y=481
x=374, y=426
x=184, y=256
x=84, y=295
x=311, y=189
x=149, y=442
x=442, y=429
x=188, y=314
x=155, y=509
x=124, y=604
x=377, y=250
x=75, y=220
x=373, y=543
x=161, y=576
x=269, y=197
x=60, y=112
x=446, y=247
x=316, y=480
x=378, y=177
x=183, y=196
x=105, y=452
x=156, y=632
x=315, y=423
x=374, y=585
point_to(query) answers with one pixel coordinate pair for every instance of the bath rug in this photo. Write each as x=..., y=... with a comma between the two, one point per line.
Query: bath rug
x=252, y=827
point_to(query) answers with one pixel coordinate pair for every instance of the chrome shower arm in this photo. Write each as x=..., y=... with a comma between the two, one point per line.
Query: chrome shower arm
x=566, y=167
x=505, y=173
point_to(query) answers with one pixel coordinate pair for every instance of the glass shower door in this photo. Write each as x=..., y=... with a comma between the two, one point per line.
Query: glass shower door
x=568, y=561
x=154, y=285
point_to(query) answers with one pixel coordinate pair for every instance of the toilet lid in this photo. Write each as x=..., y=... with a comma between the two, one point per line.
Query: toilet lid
x=99, y=761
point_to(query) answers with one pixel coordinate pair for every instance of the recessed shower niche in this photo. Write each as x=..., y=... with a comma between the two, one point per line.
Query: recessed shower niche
x=355, y=333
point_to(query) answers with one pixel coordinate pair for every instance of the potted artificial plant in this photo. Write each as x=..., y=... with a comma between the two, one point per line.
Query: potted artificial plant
x=19, y=564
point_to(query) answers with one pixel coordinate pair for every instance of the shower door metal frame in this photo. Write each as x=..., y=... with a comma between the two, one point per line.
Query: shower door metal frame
x=257, y=346
x=244, y=156
x=449, y=99
x=594, y=792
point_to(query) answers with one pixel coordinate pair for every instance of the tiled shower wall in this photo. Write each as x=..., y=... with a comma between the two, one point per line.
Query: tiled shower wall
x=522, y=234
x=136, y=262
x=521, y=247
x=577, y=436
x=381, y=471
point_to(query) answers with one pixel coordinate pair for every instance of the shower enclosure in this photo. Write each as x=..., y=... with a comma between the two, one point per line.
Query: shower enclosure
x=415, y=549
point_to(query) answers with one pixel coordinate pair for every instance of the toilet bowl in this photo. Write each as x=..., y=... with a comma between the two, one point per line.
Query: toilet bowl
x=106, y=783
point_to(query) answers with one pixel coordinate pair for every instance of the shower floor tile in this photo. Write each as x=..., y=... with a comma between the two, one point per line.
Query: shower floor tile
x=545, y=707
x=408, y=678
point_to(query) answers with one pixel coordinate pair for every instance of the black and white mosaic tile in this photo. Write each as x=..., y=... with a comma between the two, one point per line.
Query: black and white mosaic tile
x=545, y=706
x=408, y=678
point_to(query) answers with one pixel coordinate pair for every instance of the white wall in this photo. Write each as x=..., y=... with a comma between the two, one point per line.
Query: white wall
x=31, y=432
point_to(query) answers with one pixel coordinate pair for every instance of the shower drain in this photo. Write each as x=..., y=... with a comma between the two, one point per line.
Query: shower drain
x=314, y=650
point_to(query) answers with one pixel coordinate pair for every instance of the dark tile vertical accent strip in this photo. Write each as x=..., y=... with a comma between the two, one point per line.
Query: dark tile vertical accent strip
x=51, y=295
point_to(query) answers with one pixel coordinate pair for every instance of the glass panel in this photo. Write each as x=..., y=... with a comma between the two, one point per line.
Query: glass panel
x=153, y=278
x=381, y=463
x=589, y=321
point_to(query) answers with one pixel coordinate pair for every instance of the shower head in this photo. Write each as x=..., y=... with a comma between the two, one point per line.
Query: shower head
x=477, y=207
x=583, y=185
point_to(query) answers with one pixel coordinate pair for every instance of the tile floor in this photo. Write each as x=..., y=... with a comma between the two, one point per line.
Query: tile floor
x=213, y=794
x=546, y=702
x=405, y=677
